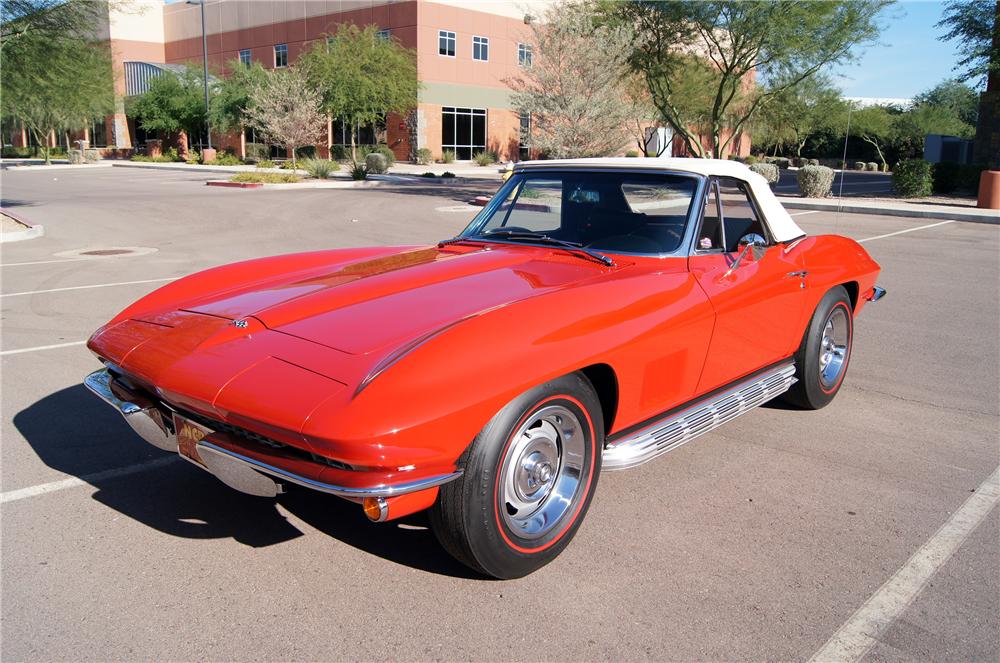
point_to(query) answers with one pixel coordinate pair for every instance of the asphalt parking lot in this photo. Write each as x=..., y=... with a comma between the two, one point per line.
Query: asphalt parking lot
x=764, y=540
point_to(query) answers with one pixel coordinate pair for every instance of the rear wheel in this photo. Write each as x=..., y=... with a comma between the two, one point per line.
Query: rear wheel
x=823, y=357
x=528, y=480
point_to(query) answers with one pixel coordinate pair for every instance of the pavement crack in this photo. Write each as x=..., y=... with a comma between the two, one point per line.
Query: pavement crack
x=923, y=402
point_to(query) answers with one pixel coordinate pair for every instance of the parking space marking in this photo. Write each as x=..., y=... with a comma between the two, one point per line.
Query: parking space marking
x=43, y=262
x=908, y=230
x=73, y=482
x=86, y=287
x=860, y=633
x=41, y=347
x=812, y=211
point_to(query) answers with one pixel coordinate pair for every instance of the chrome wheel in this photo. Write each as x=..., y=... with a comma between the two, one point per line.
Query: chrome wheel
x=541, y=472
x=833, y=348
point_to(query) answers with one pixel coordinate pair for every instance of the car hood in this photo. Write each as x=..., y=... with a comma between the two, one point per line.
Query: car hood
x=363, y=306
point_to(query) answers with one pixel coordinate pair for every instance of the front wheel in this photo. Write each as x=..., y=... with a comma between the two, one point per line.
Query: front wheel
x=528, y=480
x=822, y=359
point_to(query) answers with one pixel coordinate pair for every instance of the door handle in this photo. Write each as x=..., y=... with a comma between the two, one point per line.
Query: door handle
x=802, y=274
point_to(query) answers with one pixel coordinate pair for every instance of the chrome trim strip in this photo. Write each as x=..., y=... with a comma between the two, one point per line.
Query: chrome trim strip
x=680, y=428
x=333, y=489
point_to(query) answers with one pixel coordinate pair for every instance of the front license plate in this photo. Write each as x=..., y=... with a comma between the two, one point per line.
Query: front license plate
x=189, y=434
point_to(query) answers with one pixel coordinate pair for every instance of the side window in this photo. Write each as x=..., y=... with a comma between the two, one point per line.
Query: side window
x=710, y=235
x=738, y=212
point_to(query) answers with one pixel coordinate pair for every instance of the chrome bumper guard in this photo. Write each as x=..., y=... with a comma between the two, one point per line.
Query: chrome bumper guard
x=876, y=294
x=236, y=470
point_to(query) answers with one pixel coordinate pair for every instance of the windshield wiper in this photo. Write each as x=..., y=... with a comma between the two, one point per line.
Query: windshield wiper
x=545, y=239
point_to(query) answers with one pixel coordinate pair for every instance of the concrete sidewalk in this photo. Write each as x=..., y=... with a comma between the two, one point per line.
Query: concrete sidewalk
x=892, y=208
x=460, y=170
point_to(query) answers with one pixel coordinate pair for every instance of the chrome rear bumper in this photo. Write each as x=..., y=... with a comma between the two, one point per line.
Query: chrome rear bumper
x=876, y=294
x=240, y=471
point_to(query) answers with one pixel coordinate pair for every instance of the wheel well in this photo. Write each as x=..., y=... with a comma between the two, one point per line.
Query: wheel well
x=852, y=291
x=605, y=383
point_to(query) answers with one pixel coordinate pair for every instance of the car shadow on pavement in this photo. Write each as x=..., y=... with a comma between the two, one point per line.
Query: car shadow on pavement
x=72, y=432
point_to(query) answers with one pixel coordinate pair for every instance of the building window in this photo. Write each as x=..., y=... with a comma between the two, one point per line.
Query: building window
x=480, y=48
x=524, y=146
x=281, y=55
x=463, y=131
x=245, y=57
x=98, y=134
x=446, y=43
x=383, y=35
x=524, y=54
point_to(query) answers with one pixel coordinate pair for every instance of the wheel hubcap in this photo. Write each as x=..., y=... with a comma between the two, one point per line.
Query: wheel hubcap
x=541, y=472
x=833, y=347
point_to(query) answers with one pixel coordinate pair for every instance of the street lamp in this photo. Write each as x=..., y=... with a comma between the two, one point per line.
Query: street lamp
x=204, y=52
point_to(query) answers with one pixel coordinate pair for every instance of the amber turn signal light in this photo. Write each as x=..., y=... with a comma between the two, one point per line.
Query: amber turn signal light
x=376, y=508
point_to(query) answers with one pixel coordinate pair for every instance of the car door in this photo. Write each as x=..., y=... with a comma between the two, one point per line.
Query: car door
x=758, y=302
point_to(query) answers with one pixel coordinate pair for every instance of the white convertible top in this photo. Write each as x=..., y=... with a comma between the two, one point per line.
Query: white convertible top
x=781, y=225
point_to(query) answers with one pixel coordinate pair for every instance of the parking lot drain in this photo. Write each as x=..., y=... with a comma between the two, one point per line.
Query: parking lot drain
x=107, y=252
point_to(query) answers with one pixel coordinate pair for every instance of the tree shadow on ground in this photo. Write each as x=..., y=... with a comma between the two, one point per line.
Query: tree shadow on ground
x=73, y=432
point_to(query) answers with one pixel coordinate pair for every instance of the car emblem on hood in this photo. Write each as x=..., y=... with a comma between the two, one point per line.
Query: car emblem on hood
x=241, y=324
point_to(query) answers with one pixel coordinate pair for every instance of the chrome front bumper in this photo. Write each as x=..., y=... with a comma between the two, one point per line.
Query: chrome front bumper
x=240, y=471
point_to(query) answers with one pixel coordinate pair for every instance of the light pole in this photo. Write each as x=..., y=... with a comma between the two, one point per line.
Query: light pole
x=204, y=53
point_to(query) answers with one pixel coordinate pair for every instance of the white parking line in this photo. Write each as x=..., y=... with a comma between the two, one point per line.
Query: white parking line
x=860, y=633
x=908, y=230
x=73, y=482
x=86, y=287
x=41, y=347
x=813, y=211
x=42, y=262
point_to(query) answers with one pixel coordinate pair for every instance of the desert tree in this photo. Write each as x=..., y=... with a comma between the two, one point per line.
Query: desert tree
x=52, y=86
x=360, y=76
x=286, y=109
x=975, y=25
x=798, y=113
x=173, y=102
x=577, y=88
x=775, y=41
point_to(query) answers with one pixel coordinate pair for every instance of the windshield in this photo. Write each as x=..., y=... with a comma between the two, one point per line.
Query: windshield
x=618, y=212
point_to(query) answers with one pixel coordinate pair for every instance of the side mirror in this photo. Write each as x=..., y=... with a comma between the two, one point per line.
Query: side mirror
x=753, y=244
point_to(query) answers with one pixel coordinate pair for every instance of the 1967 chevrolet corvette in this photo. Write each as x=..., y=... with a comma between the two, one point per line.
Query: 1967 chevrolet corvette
x=595, y=315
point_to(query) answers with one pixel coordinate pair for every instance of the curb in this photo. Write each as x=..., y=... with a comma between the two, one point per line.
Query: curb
x=990, y=216
x=33, y=231
x=235, y=185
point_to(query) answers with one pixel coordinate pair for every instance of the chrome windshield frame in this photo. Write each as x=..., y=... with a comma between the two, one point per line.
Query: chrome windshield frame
x=682, y=250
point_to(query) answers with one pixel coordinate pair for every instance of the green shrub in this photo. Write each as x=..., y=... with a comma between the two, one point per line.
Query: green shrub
x=912, y=178
x=375, y=163
x=266, y=178
x=750, y=160
x=632, y=153
x=859, y=165
x=428, y=174
x=815, y=181
x=780, y=162
x=968, y=178
x=75, y=156
x=812, y=162
x=448, y=156
x=286, y=164
x=265, y=163
x=484, y=158
x=447, y=173
x=340, y=152
x=192, y=157
x=92, y=155
x=319, y=168
x=10, y=152
x=390, y=156
x=225, y=159
x=358, y=171
x=257, y=151
x=766, y=170
x=423, y=156
x=871, y=167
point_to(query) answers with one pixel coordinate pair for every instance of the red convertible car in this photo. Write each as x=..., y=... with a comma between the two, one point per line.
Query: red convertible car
x=595, y=315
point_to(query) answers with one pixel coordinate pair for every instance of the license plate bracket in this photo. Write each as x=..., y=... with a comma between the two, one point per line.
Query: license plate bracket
x=189, y=434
